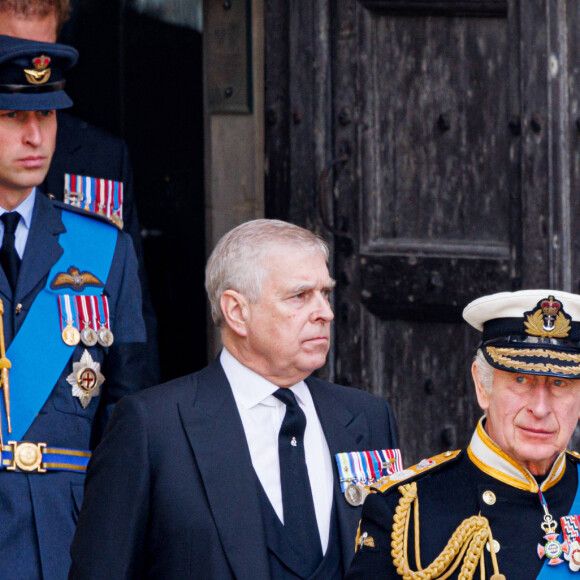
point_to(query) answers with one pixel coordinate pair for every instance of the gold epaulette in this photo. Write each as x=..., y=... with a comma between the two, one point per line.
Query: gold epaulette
x=575, y=455
x=419, y=469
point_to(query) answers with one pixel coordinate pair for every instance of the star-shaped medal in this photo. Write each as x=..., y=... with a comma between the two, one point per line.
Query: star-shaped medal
x=86, y=379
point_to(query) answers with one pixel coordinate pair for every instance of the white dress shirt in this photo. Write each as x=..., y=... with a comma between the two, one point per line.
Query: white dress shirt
x=262, y=415
x=25, y=210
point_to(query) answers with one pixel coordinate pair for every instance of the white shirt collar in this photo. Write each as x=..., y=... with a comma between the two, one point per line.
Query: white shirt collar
x=251, y=389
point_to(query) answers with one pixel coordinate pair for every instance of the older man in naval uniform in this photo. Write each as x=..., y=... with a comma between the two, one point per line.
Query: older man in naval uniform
x=230, y=473
x=509, y=505
x=72, y=323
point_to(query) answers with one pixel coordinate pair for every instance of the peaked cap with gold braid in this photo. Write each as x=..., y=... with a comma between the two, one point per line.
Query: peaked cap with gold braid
x=533, y=332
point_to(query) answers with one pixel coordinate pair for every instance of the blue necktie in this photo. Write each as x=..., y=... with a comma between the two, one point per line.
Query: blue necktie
x=299, y=514
x=9, y=258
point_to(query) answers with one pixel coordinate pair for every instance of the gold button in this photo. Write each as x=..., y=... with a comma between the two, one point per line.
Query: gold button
x=489, y=497
x=496, y=546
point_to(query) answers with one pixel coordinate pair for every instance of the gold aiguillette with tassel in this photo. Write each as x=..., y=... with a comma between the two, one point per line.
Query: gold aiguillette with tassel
x=4, y=380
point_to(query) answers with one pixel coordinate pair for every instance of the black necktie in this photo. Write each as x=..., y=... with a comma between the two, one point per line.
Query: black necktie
x=299, y=514
x=9, y=258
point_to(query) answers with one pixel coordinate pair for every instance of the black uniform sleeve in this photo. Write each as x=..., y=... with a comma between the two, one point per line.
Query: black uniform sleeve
x=373, y=560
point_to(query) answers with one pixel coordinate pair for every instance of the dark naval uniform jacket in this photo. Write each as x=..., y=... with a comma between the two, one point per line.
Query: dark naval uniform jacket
x=38, y=511
x=83, y=149
x=183, y=500
x=455, y=486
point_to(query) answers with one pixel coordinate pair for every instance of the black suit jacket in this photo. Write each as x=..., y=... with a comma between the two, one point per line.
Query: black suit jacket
x=171, y=491
x=83, y=149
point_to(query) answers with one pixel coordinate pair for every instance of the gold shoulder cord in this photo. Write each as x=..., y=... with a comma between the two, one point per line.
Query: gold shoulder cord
x=467, y=543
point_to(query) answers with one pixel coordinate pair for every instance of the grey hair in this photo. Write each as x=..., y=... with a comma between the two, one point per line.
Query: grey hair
x=484, y=370
x=237, y=261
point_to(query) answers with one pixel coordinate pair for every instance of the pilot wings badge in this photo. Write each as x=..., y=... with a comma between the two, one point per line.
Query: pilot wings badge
x=76, y=280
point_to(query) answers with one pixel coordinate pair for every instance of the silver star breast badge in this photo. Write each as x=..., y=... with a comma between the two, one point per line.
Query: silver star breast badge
x=86, y=379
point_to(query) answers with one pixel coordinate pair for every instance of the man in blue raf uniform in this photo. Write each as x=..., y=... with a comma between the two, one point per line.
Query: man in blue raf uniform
x=72, y=323
x=229, y=473
x=85, y=150
x=509, y=505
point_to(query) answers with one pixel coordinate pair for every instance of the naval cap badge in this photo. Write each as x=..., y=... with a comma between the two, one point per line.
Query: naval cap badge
x=548, y=319
x=40, y=73
x=86, y=379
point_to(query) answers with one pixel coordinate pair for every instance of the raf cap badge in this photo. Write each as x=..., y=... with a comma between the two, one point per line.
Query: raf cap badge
x=40, y=73
x=86, y=379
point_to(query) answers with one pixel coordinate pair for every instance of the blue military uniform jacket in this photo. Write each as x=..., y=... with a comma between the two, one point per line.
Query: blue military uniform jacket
x=458, y=485
x=83, y=149
x=38, y=510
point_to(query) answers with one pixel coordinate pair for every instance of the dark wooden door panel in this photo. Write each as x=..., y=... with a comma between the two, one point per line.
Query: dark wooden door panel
x=441, y=7
x=423, y=370
x=434, y=289
x=450, y=143
x=427, y=200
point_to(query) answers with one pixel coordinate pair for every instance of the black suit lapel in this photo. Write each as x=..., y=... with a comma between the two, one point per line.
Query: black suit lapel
x=216, y=435
x=344, y=431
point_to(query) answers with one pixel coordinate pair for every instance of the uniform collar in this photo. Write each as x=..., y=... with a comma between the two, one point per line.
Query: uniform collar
x=25, y=209
x=490, y=459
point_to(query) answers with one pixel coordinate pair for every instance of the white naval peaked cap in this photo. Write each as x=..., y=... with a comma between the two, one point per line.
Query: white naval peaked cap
x=530, y=331
x=514, y=304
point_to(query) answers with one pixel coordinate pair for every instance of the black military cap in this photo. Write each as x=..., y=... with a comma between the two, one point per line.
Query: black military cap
x=32, y=74
x=533, y=332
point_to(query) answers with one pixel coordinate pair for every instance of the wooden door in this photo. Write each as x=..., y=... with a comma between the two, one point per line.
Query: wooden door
x=438, y=138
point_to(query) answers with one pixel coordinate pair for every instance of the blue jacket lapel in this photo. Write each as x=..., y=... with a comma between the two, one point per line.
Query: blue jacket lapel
x=216, y=435
x=42, y=247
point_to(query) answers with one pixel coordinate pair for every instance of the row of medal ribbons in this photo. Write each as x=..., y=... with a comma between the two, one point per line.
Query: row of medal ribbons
x=86, y=319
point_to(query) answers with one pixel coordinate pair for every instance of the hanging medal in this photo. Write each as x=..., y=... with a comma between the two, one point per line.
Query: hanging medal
x=72, y=194
x=88, y=334
x=100, y=197
x=571, y=531
x=553, y=548
x=70, y=334
x=104, y=334
x=358, y=469
x=117, y=215
x=110, y=198
x=88, y=194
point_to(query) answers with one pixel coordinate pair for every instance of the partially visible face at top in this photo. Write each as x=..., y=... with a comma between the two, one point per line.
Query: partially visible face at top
x=531, y=417
x=30, y=27
x=288, y=330
x=27, y=142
